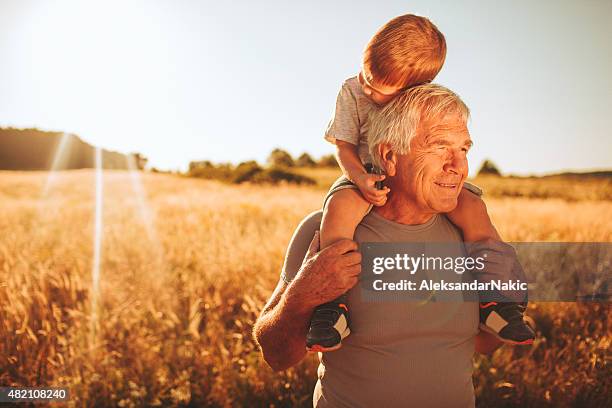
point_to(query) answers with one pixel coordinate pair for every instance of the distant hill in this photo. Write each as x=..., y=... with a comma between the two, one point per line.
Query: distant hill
x=568, y=175
x=604, y=174
x=33, y=149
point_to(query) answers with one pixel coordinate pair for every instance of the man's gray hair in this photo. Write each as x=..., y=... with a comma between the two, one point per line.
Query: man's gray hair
x=397, y=123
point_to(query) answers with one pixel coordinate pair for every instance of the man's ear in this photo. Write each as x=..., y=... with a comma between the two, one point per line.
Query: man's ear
x=388, y=159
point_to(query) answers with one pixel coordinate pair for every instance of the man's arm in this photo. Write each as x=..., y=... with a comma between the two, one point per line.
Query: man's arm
x=283, y=323
x=281, y=328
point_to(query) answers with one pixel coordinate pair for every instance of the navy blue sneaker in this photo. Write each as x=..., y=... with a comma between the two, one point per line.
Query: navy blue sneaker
x=505, y=320
x=329, y=326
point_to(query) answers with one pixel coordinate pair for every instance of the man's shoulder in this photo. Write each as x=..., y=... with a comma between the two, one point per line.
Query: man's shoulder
x=306, y=229
x=300, y=241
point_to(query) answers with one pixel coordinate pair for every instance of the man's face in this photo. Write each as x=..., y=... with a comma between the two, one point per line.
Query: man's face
x=434, y=170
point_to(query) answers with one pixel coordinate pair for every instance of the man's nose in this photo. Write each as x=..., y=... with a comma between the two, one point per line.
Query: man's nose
x=456, y=162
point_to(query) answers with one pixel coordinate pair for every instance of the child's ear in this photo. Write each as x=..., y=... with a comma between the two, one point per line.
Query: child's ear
x=388, y=159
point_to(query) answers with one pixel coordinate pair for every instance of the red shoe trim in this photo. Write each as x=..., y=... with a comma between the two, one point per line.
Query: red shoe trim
x=317, y=348
x=487, y=305
x=342, y=305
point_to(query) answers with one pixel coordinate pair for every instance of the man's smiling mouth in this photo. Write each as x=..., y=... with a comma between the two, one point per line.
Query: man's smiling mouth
x=447, y=185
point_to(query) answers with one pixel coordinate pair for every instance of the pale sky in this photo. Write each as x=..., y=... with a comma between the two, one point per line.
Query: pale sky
x=230, y=81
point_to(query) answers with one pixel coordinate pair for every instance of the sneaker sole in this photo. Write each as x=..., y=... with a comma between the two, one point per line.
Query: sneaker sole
x=320, y=349
x=317, y=348
x=507, y=341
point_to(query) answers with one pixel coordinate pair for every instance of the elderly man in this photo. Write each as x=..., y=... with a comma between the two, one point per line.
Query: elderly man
x=400, y=354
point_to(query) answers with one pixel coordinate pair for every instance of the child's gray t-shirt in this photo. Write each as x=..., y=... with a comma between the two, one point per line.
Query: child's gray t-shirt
x=350, y=120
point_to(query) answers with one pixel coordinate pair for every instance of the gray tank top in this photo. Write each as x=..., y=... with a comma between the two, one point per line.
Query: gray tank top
x=399, y=354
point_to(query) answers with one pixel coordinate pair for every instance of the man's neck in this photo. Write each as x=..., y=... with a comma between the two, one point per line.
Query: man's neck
x=405, y=212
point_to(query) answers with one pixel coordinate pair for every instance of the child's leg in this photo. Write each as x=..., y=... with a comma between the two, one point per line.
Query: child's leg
x=342, y=213
x=500, y=313
x=472, y=218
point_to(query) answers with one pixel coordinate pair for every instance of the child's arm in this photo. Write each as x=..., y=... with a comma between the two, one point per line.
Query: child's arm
x=351, y=166
x=349, y=160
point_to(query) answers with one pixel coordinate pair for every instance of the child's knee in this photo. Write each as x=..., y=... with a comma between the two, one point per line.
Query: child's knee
x=342, y=213
x=472, y=217
x=471, y=200
x=470, y=208
x=347, y=204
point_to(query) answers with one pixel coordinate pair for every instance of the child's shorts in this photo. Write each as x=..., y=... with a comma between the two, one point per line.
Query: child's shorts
x=343, y=182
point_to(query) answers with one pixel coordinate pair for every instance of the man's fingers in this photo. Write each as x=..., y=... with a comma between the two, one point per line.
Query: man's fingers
x=343, y=246
x=352, y=258
x=353, y=271
x=314, y=245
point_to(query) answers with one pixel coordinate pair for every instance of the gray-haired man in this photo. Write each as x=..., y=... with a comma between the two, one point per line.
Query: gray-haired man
x=411, y=353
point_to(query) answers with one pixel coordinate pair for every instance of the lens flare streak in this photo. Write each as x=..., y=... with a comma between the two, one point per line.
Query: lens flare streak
x=97, y=242
x=58, y=158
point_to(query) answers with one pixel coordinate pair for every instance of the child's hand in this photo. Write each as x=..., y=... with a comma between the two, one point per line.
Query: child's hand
x=367, y=185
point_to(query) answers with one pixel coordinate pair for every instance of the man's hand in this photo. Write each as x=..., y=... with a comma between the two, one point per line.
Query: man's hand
x=327, y=274
x=367, y=185
x=281, y=328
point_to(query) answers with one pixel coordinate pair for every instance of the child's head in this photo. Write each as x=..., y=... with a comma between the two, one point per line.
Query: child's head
x=407, y=51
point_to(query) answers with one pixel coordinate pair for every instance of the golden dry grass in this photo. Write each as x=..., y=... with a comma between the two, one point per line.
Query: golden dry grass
x=185, y=270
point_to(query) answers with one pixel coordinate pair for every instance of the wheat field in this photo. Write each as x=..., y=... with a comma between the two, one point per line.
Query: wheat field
x=185, y=265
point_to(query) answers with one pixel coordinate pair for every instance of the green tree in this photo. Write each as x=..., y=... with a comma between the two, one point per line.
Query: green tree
x=489, y=168
x=305, y=161
x=328, y=160
x=246, y=171
x=280, y=158
x=275, y=175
